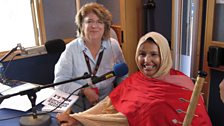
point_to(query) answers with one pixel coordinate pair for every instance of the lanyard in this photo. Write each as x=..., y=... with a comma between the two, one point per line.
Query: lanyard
x=97, y=63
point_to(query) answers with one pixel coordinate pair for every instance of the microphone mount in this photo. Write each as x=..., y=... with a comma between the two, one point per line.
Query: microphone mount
x=150, y=4
x=10, y=52
x=43, y=120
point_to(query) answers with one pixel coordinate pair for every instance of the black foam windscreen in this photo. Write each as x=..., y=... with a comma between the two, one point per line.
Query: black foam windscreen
x=222, y=56
x=55, y=46
x=214, y=56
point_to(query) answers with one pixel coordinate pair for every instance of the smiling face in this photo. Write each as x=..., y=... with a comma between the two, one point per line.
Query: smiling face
x=148, y=58
x=157, y=65
x=93, y=27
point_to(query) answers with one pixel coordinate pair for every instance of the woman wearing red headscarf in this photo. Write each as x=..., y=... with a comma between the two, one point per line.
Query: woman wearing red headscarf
x=156, y=95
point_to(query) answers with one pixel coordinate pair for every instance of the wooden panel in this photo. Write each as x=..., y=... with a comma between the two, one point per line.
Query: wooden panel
x=209, y=42
x=131, y=15
x=118, y=31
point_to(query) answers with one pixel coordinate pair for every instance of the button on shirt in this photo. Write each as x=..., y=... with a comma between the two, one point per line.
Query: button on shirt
x=72, y=64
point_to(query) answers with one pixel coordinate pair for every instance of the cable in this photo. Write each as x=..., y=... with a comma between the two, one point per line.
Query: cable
x=6, y=82
x=65, y=99
x=10, y=62
x=41, y=113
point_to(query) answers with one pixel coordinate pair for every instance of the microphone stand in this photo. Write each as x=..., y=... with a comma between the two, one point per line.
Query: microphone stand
x=10, y=52
x=3, y=79
x=149, y=9
x=40, y=120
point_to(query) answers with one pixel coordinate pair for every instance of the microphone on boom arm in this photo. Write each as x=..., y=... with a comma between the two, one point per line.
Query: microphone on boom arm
x=119, y=70
x=35, y=119
x=10, y=52
x=50, y=47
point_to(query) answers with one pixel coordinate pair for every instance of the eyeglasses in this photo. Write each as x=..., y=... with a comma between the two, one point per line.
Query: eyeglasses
x=92, y=22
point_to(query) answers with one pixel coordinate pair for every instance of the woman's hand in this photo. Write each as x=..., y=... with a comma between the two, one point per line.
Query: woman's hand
x=91, y=95
x=65, y=120
x=221, y=86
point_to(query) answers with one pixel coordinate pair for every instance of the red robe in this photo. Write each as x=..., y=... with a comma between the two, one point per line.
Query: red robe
x=152, y=102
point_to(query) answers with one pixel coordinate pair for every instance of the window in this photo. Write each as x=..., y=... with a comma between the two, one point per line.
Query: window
x=16, y=24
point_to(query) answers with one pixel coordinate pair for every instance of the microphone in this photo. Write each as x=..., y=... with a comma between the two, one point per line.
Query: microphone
x=119, y=70
x=50, y=47
x=10, y=52
x=39, y=119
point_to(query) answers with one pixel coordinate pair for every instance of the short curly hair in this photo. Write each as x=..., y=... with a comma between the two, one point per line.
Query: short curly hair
x=98, y=9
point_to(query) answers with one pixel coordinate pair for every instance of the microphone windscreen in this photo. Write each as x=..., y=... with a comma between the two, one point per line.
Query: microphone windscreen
x=55, y=46
x=120, y=69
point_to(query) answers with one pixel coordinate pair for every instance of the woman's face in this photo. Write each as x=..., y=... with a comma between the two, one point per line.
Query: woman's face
x=148, y=58
x=93, y=27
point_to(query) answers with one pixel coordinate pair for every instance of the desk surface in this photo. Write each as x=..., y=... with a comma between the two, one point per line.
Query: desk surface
x=7, y=113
